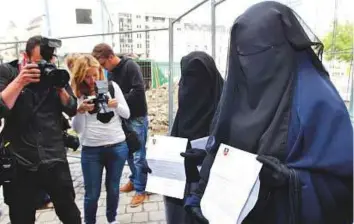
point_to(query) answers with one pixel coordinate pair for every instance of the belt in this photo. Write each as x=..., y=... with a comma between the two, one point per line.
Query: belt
x=110, y=145
x=103, y=146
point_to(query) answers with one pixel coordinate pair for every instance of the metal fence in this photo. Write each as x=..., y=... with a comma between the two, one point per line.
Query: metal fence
x=159, y=51
x=147, y=47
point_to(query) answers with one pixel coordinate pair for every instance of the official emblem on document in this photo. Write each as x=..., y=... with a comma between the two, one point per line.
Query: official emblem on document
x=226, y=151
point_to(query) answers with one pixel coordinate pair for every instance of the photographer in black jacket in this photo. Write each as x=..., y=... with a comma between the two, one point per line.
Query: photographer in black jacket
x=34, y=130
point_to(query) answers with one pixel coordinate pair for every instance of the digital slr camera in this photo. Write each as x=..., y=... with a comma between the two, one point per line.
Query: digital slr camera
x=51, y=76
x=104, y=114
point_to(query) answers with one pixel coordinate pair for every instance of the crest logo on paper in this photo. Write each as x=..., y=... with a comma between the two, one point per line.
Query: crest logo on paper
x=154, y=141
x=226, y=151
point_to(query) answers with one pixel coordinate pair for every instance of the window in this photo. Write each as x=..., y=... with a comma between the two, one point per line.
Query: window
x=138, y=26
x=158, y=19
x=146, y=18
x=138, y=16
x=83, y=16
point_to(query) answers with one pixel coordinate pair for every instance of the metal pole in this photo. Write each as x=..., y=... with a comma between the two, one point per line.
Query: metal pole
x=102, y=22
x=351, y=103
x=17, y=48
x=96, y=34
x=17, y=51
x=213, y=27
x=170, y=77
x=189, y=11
x=46, y=8
x=219, y=2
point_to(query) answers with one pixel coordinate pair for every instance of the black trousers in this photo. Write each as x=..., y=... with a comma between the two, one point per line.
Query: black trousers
x=22, y=194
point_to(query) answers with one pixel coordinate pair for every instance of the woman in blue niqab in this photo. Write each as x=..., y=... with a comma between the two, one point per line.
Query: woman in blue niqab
x=278, y=102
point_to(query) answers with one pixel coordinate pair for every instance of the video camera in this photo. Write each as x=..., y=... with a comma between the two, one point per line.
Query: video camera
x=51, y=76
x=104, y=114
x=70, y=141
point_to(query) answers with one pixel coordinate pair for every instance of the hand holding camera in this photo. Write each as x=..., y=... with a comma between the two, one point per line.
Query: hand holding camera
x=30, y=73
x=86, y=106
x=112, y=103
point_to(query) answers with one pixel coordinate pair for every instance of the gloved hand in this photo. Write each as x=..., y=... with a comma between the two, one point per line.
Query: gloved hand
x=146, y=169
x=193, y=158
x=196, y=212
x=273, y=173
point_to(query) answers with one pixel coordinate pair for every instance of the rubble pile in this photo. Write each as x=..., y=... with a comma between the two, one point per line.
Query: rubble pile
x=157, y=100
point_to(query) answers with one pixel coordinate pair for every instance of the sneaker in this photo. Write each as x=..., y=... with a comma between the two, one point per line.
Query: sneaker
x=128, y=187
x=137, y=200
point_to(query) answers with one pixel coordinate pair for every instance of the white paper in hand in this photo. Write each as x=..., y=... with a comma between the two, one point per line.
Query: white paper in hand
x=200, y=143
x=168, y=174
x=231, y=191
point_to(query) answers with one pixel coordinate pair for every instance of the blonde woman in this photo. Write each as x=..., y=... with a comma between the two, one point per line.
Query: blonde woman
x=70, y=60
x=103, y=144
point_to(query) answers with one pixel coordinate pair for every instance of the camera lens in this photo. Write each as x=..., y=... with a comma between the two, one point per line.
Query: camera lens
x=60, y=78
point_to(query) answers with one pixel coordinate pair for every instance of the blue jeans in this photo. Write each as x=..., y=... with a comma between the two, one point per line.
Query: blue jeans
x=137, y=162
x=93, y=160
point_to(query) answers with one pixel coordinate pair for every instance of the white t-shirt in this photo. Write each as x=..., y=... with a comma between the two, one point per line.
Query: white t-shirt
x=94, y=133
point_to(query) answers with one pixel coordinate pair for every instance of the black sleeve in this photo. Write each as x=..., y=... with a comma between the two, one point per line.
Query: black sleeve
x=204, y=174
x=71, y=107
x=137, y=84
x=6, y=76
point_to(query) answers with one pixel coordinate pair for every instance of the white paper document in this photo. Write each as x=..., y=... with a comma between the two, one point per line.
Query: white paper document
x=200, y=143
x=233, y=186
x=168, y=174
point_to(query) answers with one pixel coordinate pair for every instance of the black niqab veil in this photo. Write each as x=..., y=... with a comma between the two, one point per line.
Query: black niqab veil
x=256, y=102
x=254, y=110
x=199, y=93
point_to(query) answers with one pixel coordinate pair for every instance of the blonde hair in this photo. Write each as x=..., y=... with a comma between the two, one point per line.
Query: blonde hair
x=70, y=60
x=79, y=71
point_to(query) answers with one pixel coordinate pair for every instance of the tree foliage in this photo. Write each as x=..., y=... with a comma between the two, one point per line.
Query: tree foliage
x=341, y=48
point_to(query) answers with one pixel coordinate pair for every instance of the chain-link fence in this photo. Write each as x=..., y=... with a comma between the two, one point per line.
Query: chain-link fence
x=205, y=27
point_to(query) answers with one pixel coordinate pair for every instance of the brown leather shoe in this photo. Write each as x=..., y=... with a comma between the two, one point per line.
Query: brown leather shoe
x=137, y=200
x=128, y=187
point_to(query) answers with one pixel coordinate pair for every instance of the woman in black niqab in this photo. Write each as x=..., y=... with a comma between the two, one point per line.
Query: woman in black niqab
x=278, y=103
x=199, y=93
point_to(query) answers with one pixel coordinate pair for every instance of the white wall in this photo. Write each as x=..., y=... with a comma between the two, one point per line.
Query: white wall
x=62, y=17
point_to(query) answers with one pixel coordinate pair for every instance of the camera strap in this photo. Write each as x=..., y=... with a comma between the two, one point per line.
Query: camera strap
x=111, y=89
x=126, y=128
x=41, y=102
x=35, y=110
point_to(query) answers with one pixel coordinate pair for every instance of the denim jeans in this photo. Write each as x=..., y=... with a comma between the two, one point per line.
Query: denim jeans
x=93, y=160
x=137, y=162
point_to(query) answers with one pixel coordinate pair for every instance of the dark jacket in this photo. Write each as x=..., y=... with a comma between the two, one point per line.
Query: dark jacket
x=35, y=138
x=129, y=77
